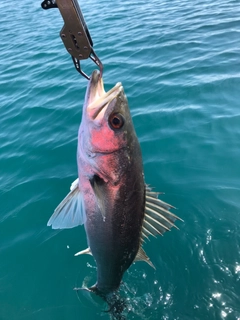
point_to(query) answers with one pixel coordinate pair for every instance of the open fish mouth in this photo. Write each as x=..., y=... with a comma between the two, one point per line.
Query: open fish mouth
x=97, y=99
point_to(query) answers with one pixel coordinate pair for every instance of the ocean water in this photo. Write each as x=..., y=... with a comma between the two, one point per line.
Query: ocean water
x=179, y=64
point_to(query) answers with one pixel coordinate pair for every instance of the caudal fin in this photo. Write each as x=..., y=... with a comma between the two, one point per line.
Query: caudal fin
x=117, y=306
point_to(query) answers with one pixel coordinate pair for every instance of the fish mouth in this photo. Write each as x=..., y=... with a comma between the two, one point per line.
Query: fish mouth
x=97, y=99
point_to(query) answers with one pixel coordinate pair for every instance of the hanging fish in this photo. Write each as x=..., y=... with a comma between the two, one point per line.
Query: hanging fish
x=110, y=196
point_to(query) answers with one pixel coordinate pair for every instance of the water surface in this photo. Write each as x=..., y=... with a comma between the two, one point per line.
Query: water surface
x=179, y=65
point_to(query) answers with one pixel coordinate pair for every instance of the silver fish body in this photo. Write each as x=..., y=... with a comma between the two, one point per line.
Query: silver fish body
x=110, y=196
x=111, y=178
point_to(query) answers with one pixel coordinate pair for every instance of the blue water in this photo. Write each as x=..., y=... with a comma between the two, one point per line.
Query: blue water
x=179, y=65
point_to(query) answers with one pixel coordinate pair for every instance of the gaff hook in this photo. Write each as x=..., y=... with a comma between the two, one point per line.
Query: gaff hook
x=75, y=34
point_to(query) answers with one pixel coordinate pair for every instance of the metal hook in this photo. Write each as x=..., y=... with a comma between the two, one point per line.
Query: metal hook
x=75, y=34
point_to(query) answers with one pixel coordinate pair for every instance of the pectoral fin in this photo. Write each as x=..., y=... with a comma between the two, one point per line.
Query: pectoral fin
x=98, y=187
x=70, y=212
x=142, y=256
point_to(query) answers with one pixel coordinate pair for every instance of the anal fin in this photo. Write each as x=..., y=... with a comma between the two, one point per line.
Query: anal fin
x=142, y=256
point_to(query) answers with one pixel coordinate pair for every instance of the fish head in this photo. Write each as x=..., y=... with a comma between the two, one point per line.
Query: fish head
x=106, y=121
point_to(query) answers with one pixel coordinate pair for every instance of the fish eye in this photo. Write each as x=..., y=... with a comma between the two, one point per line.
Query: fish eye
x=116, y=121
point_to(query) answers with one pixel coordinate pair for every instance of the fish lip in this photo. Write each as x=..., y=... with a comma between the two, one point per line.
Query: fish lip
x=97, y=98
x=95, y=87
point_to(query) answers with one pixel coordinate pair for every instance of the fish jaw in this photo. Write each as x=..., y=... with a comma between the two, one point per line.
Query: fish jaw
x=97, y=100
x=95, y=89
x=99, y=105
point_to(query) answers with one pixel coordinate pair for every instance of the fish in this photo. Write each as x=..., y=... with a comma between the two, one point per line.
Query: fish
x=110, y=197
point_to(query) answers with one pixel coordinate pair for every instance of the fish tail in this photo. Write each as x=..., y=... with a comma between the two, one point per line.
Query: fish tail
x=117, y=305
